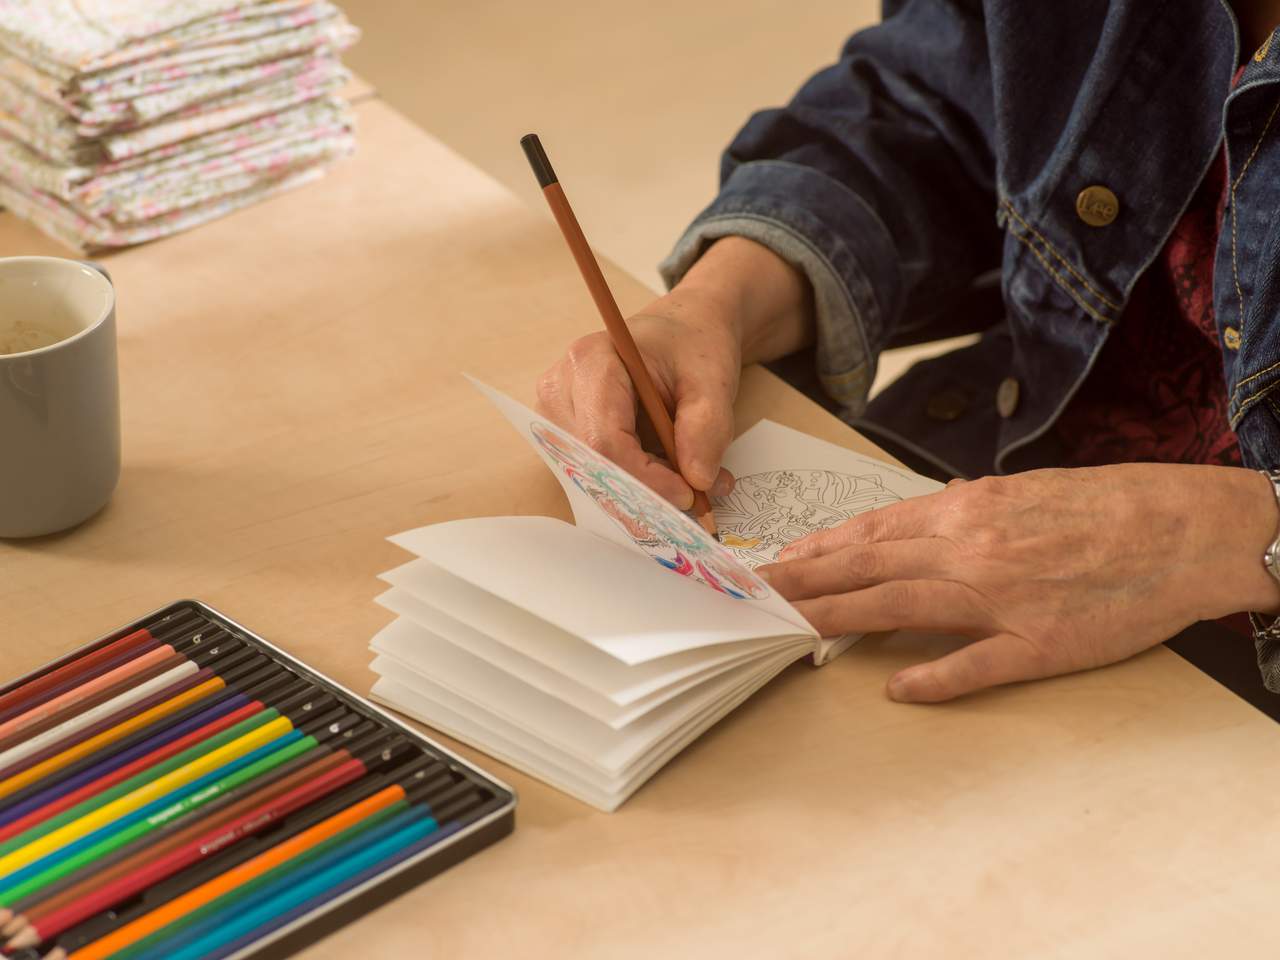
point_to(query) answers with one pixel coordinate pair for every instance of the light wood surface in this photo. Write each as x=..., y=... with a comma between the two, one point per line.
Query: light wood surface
x=291, y=396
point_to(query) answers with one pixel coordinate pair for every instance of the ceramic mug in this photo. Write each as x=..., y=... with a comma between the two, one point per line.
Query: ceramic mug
x=59, y=394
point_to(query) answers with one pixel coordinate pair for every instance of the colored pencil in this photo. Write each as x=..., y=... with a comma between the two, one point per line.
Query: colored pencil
x=92, y=692
x=146, y=776
x=294, y=826
x=256, y=773
x=136, y=855
x=386, y=844
x=234, y=878
x=44, y=925
x=205, y=685
x=229, y=653
x=149, y=791
x=88, y=691
x=142, y=748
x=46, y=686
x=625, y=345
x=247, y=892
x=63, y=724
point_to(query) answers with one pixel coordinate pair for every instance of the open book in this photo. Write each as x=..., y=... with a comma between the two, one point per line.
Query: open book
x=589, y=655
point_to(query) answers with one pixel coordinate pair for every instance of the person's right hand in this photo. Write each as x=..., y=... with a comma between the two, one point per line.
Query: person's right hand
x=691, y=344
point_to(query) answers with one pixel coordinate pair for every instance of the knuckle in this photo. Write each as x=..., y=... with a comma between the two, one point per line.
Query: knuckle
x=549, y=387
x=861, y=564
x=584, y=350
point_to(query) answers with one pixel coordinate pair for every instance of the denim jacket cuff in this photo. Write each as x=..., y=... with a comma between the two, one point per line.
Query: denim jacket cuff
x=824, y=230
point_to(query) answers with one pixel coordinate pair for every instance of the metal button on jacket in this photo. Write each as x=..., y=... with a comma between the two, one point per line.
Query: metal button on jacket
x=1097, y=206
x=1007, y=397
x=947, y=405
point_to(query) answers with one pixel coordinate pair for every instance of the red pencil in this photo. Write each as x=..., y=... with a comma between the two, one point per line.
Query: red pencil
x=66, y=801
x=43, y=925
x=105, y=658
x=237, y=654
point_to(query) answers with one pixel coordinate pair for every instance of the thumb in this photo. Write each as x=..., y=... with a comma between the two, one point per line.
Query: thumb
x=1004, y=658
x=704, y=430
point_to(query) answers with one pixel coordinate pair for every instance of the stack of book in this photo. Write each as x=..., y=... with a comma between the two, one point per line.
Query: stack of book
x=122, y=121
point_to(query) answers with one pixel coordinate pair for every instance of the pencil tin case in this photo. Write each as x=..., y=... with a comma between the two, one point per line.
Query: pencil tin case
x=481, y=811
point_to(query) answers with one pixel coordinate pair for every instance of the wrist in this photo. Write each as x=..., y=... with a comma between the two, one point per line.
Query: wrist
x=767, y=301
x=1252, y=523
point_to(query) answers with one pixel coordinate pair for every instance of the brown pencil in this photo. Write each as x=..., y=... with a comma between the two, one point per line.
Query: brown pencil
x=623, y=342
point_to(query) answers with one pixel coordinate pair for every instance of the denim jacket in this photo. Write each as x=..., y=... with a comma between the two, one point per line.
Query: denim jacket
x=967, y=142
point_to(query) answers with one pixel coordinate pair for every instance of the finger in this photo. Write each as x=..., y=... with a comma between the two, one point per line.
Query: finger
x=905, y=520
x=725, y=482
x=935, y=605
x=555, y=398
x=1003, y=658
x=860, y=565
x=704, y=430
x=605, y=418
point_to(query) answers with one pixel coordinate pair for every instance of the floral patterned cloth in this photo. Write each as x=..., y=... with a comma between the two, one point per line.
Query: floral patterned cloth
x=123, y=121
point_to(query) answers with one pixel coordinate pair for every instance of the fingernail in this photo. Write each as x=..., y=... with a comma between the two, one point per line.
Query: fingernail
x=764, y=574
x=722, y=487
x=685, y=500
x=899, y=687
x=795, y=551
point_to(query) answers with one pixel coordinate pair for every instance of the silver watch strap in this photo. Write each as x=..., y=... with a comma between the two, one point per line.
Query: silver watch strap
x=1271, y=557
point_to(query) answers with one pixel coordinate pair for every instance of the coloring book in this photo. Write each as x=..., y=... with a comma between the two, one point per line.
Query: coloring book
x=589, y=654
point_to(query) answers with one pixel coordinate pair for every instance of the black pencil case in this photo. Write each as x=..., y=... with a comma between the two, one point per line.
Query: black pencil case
x=491, y=821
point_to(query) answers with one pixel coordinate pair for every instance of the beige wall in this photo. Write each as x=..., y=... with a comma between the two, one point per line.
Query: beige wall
x=634, y=101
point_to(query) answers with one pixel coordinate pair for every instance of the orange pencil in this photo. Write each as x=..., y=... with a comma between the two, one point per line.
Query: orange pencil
x=619, y=333
x=232, y=879
x=86, y=747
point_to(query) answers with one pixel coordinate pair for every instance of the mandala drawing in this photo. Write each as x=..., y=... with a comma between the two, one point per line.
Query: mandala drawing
x=657, y=528
x=767, y=511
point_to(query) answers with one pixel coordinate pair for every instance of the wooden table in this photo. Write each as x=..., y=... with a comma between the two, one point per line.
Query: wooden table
x=292, y=396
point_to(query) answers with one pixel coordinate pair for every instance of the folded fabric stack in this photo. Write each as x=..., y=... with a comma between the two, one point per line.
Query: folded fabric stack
x=122, y=121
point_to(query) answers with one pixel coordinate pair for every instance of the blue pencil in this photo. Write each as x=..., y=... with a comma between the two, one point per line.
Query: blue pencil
x=350, y=883
x=101, y=768
x=318, y=880
x=102, y=833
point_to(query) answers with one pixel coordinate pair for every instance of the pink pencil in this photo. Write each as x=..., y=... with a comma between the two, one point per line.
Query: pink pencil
x=86, y=689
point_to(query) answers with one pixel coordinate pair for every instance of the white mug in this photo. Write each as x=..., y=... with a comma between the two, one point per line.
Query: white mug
x=59, y=394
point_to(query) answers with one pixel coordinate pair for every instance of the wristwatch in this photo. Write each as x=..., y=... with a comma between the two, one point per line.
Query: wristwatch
x=1271, y=558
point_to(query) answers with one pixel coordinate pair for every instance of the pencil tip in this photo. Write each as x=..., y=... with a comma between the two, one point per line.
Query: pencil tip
x=22, y=939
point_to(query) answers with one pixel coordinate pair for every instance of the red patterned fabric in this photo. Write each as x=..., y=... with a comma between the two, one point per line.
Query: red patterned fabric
x=1157, y=391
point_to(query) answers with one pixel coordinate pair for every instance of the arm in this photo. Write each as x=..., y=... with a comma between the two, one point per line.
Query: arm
x=857, y=208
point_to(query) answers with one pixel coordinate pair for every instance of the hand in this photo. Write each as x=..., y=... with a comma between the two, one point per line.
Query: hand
x=693, y=354
x=1048, y=572
x=738, y=303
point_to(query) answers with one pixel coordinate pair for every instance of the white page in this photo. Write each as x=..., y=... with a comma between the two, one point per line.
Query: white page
x=555, y=722
x=469, y=610
x=420, y=626
x=616, y=600
x=512, y=743
x=790, y=484
x=612, y=504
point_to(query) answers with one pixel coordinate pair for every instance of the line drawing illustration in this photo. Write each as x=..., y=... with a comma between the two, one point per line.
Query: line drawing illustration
x=767, y=511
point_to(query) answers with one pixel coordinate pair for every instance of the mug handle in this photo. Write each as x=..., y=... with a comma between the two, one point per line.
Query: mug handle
x=93, y=265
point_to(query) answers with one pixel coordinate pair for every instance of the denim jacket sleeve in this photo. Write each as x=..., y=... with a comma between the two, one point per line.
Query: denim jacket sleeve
x=877, y=181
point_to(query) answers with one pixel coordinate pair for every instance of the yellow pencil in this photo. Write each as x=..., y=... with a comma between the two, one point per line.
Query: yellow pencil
x=119, y=731
x=117, y=808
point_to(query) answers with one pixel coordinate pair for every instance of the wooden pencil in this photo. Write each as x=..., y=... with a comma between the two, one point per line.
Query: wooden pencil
x=237, y=877
x=75, y=672
x=42, y=925
x=143, y=747
x=267, y=772
x=414, y=773
x=619, y=332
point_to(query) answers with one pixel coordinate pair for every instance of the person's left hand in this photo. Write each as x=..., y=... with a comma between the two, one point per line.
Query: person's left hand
x=1048, y=572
